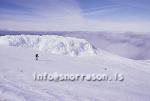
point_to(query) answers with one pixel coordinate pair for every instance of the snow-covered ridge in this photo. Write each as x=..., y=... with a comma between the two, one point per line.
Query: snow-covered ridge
x=52, y=43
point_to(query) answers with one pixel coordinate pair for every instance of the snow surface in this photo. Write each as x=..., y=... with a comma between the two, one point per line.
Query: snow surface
x=17, y=65
x=52, y=43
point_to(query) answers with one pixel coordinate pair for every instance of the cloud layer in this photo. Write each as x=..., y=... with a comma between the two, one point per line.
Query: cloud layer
x=73, y=15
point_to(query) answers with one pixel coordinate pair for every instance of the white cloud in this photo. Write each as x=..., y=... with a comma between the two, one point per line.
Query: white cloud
x=62, y=15
x=136, y=26
x=52, y=15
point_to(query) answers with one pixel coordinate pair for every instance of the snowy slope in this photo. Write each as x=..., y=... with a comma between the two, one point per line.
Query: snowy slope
x=52, y=43
x=17, y=65
x=119, y=43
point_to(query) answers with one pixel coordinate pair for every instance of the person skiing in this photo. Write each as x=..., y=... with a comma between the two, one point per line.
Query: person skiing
x=37, y=56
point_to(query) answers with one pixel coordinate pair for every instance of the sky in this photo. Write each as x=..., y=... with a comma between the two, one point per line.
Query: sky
x=75, y=15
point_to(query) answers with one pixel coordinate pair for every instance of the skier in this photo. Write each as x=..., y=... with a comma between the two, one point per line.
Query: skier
x=37, y=56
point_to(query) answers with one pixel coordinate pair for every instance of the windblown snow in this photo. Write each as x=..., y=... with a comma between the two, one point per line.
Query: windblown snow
x=52, y=43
